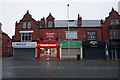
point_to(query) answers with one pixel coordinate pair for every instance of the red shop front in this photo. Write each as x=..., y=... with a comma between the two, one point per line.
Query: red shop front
x=48, y=48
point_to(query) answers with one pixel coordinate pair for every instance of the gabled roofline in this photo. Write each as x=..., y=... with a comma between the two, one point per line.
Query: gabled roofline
x=24, y=17
x=110, y=14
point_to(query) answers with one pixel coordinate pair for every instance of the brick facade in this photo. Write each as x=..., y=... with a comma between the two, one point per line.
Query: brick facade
x=39, y=28
x=61, y=33
x=6, y=45
x=19, y=27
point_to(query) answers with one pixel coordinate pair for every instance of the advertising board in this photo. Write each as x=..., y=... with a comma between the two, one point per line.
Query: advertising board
x=50, y=35
x=24, y=44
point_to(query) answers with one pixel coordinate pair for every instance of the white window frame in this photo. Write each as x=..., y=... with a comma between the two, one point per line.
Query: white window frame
x=114, y=34
x=29, y=24
x=72, y=32
x=24, y=24
x=26, y=33
x=111, y=21
x=117, y=21
x=50, y=24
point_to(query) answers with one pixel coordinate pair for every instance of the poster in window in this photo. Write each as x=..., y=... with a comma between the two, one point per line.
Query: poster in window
x=71, y=35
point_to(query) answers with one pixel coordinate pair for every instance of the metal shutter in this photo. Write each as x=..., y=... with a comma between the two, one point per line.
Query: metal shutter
x=24, y=53
x=73, y=52
x=93, y=53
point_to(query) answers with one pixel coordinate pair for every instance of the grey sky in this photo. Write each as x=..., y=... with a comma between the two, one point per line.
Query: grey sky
x=14, y=11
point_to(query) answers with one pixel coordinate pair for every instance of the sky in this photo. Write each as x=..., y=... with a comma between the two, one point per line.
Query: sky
x=13, y=10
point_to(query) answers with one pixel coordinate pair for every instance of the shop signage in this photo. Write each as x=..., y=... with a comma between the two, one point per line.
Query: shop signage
x=91, y=35
x=72, y=44
x=71, y=35
x=50, y=35
x=24, y=44
x=47, y=45
x=93, y=43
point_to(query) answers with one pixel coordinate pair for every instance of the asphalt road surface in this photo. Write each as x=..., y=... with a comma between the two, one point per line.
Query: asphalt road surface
x=36, y=68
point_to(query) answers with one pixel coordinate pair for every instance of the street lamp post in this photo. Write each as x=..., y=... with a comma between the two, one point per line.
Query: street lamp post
x=68, y=32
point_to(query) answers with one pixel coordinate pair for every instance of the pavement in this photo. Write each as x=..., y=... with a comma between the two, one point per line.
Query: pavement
x=55, y=68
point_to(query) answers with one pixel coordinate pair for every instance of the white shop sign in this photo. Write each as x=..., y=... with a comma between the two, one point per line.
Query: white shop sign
x=24, y=44
x=71, y=35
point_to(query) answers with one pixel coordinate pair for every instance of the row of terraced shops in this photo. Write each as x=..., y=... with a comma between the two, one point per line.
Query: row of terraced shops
x=60, y=50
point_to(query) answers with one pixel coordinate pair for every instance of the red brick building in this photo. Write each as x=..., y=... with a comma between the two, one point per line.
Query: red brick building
x=112, y=22
x=49, y=29
x=6, y=44
x=40, y=27
x=111, y=33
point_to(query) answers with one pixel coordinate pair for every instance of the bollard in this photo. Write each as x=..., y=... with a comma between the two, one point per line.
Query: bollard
x=115, y=55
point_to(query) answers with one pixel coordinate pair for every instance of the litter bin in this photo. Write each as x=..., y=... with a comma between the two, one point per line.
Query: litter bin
x=78, y=56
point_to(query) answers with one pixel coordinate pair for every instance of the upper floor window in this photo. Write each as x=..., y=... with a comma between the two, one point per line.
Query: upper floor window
x=111, y=34
x=112, y=21
x=42, y=25
x=115, y=34
x=24, y=25
x=29, y=24
x=49, y=23
x=117, y=21
x=8, y=42
x=26, y=36
x=71, y=35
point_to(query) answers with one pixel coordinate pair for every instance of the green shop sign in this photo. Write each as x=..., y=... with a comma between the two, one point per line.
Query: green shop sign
x=72, y=44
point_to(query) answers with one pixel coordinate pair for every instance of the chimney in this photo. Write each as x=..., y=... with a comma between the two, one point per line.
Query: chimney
x=101, y=21
x=27, y=11
x=79, y=21
x=112, y=9
x=16, y=23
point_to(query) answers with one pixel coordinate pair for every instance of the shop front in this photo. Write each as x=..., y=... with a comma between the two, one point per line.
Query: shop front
x=94, y=49
x=75, y=49
x=24, y=49
x=46, y=49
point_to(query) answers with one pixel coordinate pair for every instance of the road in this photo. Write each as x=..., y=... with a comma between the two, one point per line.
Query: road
x=36, y=68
